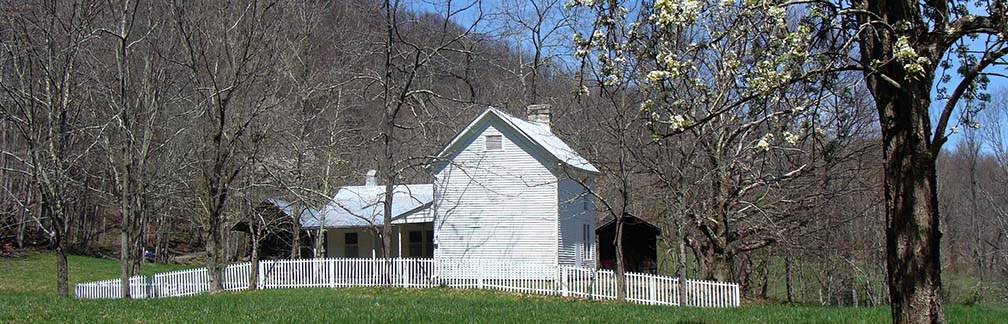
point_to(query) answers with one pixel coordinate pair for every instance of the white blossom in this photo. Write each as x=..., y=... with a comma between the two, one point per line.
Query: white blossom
x=790, y=138
x=912, y=62
x=679, y=122
x=578, y=3
x=764, y=142
x=611, y=80
x=779, y=13
x=658, y=76
x=668, y=13
x=646, y=106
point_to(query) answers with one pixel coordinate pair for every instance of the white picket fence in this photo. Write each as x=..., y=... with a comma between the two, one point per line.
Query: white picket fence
x=542, y=279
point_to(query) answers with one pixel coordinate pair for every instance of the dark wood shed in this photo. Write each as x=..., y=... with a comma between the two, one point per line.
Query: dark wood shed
x=276, y=226
x=640, y=245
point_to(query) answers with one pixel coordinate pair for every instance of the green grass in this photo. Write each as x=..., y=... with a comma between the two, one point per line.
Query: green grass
x=26, y=296
x=958, y=288
x=36, y=272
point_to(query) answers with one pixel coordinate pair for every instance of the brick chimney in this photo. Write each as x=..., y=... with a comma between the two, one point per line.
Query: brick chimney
x=371, y=178
x=540, y=114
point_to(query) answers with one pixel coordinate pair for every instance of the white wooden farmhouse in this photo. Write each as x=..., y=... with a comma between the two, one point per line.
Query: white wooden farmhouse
x=504, y=189
x=507, y=188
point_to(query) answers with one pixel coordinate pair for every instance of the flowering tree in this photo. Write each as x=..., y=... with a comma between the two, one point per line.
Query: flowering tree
x=767, y=55
x=727, y=86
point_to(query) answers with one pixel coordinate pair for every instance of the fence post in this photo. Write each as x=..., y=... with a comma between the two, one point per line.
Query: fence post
x=652, y=291
x=478, y=273
x=564, y=282
x=683, y=293
x=332, y=273
x=261, y=281
x=400, y=272
x=150, y=287
x=738, y=296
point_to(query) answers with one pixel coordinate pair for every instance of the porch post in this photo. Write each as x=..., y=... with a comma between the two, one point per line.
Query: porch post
x=399, y=234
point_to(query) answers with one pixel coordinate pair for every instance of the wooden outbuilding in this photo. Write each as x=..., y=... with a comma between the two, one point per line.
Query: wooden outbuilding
x=277, y=217
x=640, y=245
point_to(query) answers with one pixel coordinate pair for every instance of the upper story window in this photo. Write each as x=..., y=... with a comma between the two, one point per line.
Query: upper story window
x=494, y=142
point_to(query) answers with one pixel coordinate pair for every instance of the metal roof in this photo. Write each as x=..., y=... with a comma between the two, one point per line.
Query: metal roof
x=535, y=133
x=307, y=214
x=362, y=206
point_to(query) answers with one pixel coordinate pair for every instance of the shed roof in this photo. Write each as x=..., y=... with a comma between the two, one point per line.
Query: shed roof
x=535, y=133
x=362, y=206
x=287, y=207
x=628, y=220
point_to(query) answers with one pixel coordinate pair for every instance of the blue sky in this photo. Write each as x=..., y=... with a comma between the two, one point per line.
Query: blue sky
x=996, y=86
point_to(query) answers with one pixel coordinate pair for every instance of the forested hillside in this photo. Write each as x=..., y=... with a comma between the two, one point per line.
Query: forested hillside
x=130, y=126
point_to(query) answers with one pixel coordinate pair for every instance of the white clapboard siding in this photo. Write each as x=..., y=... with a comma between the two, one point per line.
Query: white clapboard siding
x=576, y=218
x=499, y=274
x=499, y=204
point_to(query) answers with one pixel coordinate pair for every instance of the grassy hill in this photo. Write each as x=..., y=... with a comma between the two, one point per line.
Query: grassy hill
x=26, y=295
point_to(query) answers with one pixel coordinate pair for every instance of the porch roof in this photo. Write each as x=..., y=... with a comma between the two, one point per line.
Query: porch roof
x=363, y=206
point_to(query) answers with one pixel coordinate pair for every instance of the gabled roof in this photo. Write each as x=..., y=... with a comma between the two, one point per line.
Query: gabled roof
x=535, y=133
x=362, y=206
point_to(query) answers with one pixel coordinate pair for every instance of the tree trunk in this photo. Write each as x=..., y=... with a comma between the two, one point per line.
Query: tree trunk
x=766, y=280
x=213, y=245
x=62, y=288
x=390, y=180
x=913, y=258
x=712, y=264
x=912, y=233
x=789, y=278
x=682, y=266
x=620, y=265
x=853, y=292
x=903, y=100
x=296, y=233
x=253, y=260
x=25, y=215
x=124, y=252
x=320, y=248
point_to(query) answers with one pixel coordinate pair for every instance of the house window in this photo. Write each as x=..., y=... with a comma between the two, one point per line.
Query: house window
x=415, y=243
x=350, y=245
x=493, y=142
x=421, y=244
x=587, y=244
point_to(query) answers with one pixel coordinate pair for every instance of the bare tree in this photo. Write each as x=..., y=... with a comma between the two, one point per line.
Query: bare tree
x=134, y=96
x=41, y=89
x=407, y=60
x=539, y=32
x=229, y=49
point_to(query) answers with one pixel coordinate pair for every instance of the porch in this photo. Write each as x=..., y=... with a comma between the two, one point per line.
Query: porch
x=409, y=240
